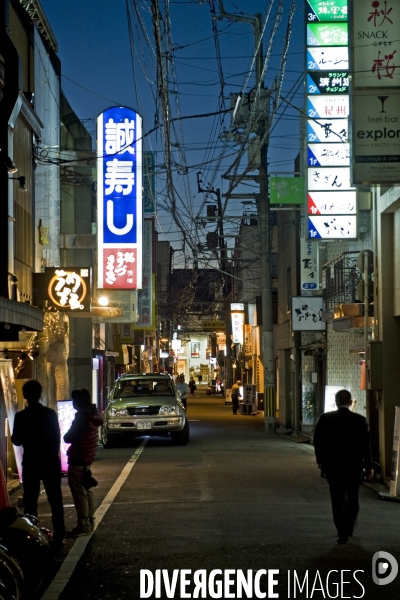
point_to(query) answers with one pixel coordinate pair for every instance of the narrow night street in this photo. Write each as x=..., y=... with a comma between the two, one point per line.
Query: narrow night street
x=232, y=499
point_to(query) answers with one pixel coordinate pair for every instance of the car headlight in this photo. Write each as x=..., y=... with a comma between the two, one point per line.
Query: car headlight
x=118, y=412
x=169, y=410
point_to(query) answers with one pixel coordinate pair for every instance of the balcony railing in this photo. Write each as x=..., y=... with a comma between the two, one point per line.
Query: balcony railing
x=340, y=278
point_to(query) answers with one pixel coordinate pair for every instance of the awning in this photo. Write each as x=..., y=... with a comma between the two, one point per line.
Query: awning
x=20, y=315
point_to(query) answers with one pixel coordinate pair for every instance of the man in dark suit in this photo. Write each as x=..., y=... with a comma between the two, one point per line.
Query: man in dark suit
x=343, y=450
x=36, y=429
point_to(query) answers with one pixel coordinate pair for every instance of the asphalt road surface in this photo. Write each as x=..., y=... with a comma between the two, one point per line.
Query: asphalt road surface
x=244, y=513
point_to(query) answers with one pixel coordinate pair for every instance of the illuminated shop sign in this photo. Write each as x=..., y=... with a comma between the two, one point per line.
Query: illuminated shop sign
x=332, y=203
x=376, y=136
x=322, y=59
x=237, y=327
x=67, y=289
x=324, y=155
x=328, y=82
x=376, y=43
x=307, y=313
x=338, y=227
x=119, y=199
x=327, y=34
x=326, y=10
x=309, y=271
x=327, y=130
x=66, y=414
x=328, y=107
x=332, y=179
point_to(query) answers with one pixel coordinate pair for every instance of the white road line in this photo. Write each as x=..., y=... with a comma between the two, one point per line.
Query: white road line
x=67, y=568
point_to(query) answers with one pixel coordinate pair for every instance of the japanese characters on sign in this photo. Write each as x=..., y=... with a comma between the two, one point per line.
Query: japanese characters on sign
x=328, y=82
x=249, y=393
x=146, y=296
x=331, y=197
x=287, y=190
x=322, y=155
x=327, y=130
x=119, y=199
x=322, y=59
x=335, y=227
x=328, y=107
x=66, y=414
x=326, y=10
x=327, y=34
x=149, y=186
x=330, y=179
x=237, y=327
x=248, y=340
x=376, y=43
x=306, y=313
x=323, y=203
x=309, y=270
x=67, y=289
x=376, y=136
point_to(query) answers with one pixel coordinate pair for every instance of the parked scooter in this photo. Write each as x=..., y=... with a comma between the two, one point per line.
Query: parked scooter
x=27, y=544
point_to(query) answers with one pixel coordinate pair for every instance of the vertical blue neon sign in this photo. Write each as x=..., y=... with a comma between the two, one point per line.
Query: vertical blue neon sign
x=119, y=198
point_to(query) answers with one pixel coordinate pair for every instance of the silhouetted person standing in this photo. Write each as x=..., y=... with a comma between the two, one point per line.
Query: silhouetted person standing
x=83, y=436
x=342, y=450
x=235, y=396
x=36, y=429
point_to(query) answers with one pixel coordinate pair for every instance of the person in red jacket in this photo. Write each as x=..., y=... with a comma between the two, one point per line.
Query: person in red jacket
x=84, y=439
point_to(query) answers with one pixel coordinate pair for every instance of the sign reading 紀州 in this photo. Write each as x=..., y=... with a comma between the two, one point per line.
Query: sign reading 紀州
x=376, y=43
x=119, y=199
x=64, y=288
x=376, y=136
x=309, y=271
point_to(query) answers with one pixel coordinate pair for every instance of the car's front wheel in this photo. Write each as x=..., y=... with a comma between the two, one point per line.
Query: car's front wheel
x=107, y=439
x=181, y=438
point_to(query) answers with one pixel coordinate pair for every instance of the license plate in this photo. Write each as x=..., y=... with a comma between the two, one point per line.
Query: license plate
x=145, y=425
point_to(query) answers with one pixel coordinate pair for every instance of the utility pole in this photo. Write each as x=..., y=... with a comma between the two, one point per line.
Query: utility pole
x=225, y=290
x=262, y=200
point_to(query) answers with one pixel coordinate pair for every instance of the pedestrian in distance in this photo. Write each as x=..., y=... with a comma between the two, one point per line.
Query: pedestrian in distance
x=343, y=451
x=192, y=386
x=36, y=429
x=84, y=439
x=235, y=396
x=183, y=388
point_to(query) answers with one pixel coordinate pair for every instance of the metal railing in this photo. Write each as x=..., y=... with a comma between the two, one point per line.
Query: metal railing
x=340, y=278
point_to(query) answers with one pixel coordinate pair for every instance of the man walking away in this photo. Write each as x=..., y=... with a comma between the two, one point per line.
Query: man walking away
x=235, y=396
x=36, y=429
x=84, y=439
x=343, y=450
x=183, y=388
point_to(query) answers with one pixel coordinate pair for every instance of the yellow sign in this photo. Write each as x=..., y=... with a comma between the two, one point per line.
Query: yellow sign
x=213, y=325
